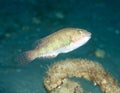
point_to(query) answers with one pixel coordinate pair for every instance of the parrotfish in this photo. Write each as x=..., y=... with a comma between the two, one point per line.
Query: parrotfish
x=61, y=41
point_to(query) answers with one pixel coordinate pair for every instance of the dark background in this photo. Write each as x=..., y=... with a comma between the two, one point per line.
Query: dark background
x=22, y=22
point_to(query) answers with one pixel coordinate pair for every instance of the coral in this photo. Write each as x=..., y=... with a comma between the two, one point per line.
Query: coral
x=55, y=79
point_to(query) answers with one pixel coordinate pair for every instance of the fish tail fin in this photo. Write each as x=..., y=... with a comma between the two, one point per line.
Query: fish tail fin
x=26, y=57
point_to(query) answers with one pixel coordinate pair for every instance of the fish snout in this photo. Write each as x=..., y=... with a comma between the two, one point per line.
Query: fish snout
x=85, y=33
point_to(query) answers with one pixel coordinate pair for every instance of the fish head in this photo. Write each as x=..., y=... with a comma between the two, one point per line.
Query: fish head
x=80, y=36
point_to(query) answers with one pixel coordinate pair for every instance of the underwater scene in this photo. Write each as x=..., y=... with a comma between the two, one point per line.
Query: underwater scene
x=59, y=46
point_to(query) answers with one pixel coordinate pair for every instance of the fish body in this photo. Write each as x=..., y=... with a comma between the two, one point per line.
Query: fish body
x=61, y=41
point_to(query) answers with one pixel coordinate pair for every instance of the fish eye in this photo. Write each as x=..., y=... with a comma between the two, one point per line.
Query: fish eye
x=79, y=31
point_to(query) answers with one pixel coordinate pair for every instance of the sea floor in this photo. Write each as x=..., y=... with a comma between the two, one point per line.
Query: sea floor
x=22, y=22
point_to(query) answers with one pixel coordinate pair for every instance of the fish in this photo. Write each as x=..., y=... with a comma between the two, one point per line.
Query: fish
x=62, y=41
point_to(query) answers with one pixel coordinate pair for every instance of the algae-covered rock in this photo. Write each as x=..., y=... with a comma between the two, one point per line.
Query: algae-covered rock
x=80, y=68
x=68, y=86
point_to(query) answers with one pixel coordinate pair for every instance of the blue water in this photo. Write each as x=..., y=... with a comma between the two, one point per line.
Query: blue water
x=24, y=21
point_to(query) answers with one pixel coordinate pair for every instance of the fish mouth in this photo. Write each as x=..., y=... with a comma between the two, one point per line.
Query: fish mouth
x=85, y=33
x=89, y=35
